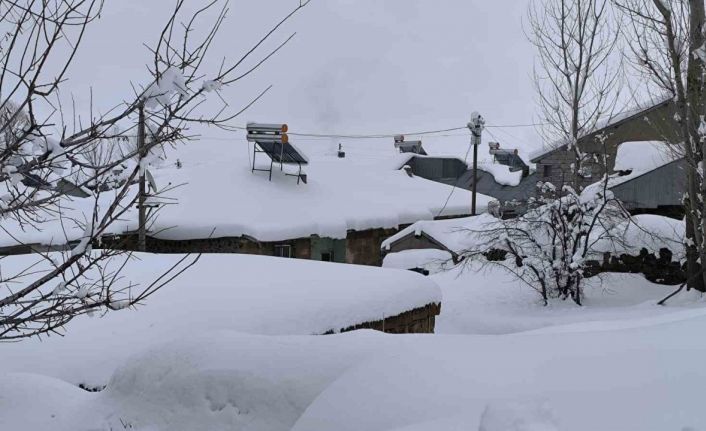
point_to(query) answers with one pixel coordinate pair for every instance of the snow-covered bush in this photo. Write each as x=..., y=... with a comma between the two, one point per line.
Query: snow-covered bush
x=548, y=247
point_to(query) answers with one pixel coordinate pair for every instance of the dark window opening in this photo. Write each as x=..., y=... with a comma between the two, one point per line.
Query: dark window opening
x=546, y=171
x=327, y=257
x=283, y=250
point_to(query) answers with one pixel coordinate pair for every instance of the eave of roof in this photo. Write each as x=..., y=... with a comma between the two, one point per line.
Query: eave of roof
x=541, y=154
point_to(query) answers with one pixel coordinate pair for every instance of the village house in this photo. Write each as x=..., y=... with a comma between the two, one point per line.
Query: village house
x=343, y=213
x=656, y=186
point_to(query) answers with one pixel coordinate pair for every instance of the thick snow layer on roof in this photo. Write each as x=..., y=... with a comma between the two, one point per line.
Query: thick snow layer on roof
x=456, y=234
x=253, y=294
x=341, y=195
x=217, y=195
x=648, y=231
x=501, y=173
x=643, y=156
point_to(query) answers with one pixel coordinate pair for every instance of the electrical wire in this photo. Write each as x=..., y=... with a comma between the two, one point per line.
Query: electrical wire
x=455, y=186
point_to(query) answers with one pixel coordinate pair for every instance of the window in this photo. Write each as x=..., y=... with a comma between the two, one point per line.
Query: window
x=546, y=171
x=283, y=250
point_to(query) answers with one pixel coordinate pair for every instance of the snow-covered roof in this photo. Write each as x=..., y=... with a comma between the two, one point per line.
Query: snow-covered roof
x=648, y=231
x=456, y=234
x=501, y=173
x=612, y=120
x=218, y=195
x=641, y=157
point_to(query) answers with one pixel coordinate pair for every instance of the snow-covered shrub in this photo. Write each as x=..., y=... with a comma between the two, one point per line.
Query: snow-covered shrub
x=548, y=247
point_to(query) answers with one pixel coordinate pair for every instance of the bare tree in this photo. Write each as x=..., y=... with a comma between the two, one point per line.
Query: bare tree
x=549, y=247
x=41, y=147
x=575, y=77
x=667, y=44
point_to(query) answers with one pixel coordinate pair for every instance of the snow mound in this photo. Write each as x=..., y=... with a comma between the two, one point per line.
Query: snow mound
x=37, y=403
x=225, y=381
x=648, y=231
x=518, y=416
x=502, y=174
x=249, y=294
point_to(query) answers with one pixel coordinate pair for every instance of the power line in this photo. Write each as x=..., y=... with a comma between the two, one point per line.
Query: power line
x=455, y=186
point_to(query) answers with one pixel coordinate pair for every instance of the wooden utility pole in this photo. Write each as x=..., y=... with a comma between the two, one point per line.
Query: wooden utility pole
x=476, y=128
x=142, y=209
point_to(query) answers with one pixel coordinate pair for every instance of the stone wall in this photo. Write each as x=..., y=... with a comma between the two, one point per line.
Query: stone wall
x=658, y=269
x=363, y=247
x=418, y=321
x=301, y=248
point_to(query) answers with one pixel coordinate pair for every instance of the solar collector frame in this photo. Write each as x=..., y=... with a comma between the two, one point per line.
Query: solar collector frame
x=282, y=153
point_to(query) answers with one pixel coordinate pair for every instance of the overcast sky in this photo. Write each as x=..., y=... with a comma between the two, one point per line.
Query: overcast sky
x=355, y=66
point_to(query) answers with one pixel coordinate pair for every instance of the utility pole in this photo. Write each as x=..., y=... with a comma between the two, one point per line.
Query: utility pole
x=141, y=208
x=476, y=127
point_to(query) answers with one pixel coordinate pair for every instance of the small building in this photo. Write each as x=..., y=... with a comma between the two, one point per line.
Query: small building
x=652, y=121
x=453, y=237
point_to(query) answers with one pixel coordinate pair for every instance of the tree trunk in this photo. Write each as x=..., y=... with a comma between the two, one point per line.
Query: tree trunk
x=694, y=96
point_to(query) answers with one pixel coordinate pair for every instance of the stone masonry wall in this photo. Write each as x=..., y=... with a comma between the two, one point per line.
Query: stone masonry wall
x=301, y=248
x=363, y=247
x=419, y=321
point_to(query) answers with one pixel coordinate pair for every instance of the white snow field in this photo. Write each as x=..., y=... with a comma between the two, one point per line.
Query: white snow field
x=244, y=293
x=226, y=347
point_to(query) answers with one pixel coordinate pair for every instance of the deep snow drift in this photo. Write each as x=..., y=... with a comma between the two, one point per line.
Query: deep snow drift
x=253, y=294
x=181, y=362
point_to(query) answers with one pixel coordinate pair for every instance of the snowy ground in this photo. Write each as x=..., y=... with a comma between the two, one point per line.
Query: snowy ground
x=499, y=362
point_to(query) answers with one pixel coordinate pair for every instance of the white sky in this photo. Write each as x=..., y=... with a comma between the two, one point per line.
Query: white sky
x=355, y=66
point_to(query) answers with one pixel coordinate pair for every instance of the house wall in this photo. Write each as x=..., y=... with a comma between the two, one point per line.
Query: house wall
x=663, y=187
x=336, y=247
x=363, y=247
x=360, y=247
x=301, y=248
x=656, y=124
